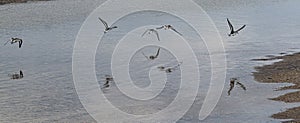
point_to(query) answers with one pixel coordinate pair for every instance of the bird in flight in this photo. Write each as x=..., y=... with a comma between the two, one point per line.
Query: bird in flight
x=149, y=31
x=108, y=79
x=15, y=40
x=16, y=76
x=232, y=31
x=232, y=83
x=107, y=28
x=152, y=57
x=166, y=27
x=169, y=69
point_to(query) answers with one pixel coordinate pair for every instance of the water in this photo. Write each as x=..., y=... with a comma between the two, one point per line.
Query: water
x=47, y=93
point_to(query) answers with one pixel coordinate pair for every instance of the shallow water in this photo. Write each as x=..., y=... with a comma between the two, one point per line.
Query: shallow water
x=47, y=93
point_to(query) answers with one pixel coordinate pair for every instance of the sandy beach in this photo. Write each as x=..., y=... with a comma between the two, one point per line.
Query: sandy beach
x=287, y=70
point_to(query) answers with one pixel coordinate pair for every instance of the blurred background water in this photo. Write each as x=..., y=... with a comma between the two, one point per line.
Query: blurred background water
x=49, y=29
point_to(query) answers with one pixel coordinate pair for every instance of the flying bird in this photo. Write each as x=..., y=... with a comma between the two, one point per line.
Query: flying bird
x=166, y=27
x=108, y=79
x=152, y=57
x=169, y=69
x=107, y=28
x=16, y=76
x=232, y=31
x=15, y=40
x=232, y=83
x=149, y=31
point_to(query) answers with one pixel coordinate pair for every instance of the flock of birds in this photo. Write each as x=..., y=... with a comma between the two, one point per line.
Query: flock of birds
x=19, y=75
x=167, y=69
x=233, y=32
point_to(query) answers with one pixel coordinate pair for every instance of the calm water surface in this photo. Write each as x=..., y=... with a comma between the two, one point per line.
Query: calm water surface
x=49, y=29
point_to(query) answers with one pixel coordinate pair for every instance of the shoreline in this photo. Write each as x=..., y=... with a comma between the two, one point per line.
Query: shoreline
x=2, y=2
x=285, y=71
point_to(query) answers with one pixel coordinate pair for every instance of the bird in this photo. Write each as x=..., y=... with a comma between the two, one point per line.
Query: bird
x=232, y=83
x=107, y=28
x=15, y=40
x=232, y=31
x=152, y=57
x=16, y=76
x=149, y=31
x=166, y=27
x=169, y=69
x=162, y=68
x=108, y=79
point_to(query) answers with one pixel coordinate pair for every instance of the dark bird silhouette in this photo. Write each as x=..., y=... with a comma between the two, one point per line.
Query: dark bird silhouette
x=166, y=27
x=107, y=28
x=232, y=31
x=152, y=57
x=232, y=83
x=16, y=76
x=108, y=79
x=149, y=31
x=241, y=85
x=15, y=40
x=169, y=69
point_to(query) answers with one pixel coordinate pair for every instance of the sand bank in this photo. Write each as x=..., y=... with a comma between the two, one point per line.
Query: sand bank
x=287, y=70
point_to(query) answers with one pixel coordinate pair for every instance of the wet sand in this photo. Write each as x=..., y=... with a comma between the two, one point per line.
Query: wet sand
x=2, y=2
x=287, y=70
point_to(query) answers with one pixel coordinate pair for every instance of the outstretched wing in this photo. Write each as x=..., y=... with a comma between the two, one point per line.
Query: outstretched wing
x=145, y=32
x=230, y=89
x=241, y=28
x=160, y=27
x=230, y=25
x=241, y=85
x=152, y=30
x=145, y=55
x=20, y=43
x=176, y=31
x=157, y=35
x=6, y=42
x=157, y=53
x=175, y=67
x=104, y=23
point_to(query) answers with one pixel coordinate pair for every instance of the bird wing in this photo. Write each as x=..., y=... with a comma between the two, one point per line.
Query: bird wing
x=20, y=43
x=175, y=67
x=6, y=42
x=160, y=27
x=145, y=55
x=104, y=23
x=157, y=35
x=176, y=31
x=230, y=89
x=230, y=25
x=157, y=52
x=241, y=85
x=241, y=28
x=145, y=32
